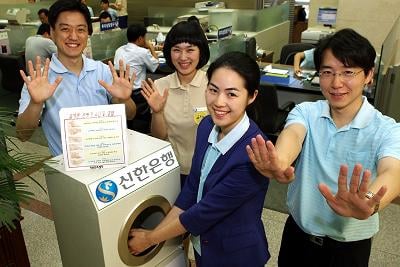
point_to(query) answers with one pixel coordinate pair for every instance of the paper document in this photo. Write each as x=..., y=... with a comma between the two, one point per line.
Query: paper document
x=315, y=80
x=269, y=69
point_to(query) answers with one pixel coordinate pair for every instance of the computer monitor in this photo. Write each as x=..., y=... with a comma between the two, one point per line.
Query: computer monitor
x=327, y=16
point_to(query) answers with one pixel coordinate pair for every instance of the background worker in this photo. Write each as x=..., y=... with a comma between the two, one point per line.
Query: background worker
x=139, y=53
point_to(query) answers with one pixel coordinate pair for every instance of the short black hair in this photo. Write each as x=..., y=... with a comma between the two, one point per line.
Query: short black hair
x=193, y=18
x=104, y=15
x=43, y=10
x=43, y=28
x=187, y=32
x=105, y=1
x=349, y=47
x=243, y=65
x=69, y=5
x=135, y=31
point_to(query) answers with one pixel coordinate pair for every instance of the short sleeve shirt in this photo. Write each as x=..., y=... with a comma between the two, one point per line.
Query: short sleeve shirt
x=308, y=61
x=182, y=104
x=39, y=46
x=124, y=7
x=370, y=137
x=139, y=59
x=73, y=91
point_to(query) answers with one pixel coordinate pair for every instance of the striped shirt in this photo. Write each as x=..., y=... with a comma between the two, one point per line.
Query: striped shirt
x=370, y=137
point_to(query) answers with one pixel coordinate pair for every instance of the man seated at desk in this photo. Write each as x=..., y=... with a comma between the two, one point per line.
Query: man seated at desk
x=105, y=6
x=140, y=54
x=88, y=7
x=303, y=60
x=40, y=44
x=105, y=17
x=43, y=15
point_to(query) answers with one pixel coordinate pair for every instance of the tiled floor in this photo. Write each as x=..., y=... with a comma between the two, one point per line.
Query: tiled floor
x=41, y=240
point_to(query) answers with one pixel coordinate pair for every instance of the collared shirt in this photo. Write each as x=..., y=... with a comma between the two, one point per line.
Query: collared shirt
x=138, y=58
x=214, y=150
x=124, y=6
x=179, y=113
x=369, y=137
x=113, y=13
x=308, y=61
x=38, y=46
x=73, y=91
x=90, y=11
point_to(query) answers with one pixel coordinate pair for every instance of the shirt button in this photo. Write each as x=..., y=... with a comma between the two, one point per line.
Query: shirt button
x=205, y=241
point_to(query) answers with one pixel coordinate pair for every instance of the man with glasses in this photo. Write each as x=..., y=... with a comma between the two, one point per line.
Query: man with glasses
x=332, y=220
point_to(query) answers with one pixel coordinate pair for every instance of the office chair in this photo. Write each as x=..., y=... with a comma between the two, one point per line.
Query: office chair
x=250, y=48
x=266, y=112
x=11, y=78
x=288, y=51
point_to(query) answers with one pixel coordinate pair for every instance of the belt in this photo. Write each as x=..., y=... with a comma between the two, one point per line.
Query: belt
x=318, y=240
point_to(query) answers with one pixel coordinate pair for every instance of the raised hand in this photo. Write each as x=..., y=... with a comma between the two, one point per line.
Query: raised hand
x=265, y=159
x=138, y=241
x=352, y=202
x=38, y=84
x=153, y=97
x=122, y=85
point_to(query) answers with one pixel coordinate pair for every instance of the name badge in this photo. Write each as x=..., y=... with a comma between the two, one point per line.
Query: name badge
x=199, y=114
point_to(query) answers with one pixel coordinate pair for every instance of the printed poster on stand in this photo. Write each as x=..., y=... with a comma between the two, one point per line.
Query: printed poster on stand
x=94, y=137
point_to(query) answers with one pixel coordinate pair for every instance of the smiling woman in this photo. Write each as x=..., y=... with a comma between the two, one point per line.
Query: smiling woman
x=222, y=200
x=230, y=90
x=186, y=51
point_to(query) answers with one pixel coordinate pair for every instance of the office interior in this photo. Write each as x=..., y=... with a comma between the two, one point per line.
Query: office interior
x=260, y=28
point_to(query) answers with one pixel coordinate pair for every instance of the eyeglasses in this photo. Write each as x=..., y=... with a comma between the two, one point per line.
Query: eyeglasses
x=345, y=75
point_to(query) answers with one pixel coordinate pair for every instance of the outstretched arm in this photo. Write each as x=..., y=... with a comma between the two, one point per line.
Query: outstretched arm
x=40, y=90
x=298, y=57
x=169, y=228
x=353, y=201
x=275, y=161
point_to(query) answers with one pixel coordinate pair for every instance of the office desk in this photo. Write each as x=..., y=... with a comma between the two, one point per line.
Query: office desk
x=291, y=83
x=302, y=88
x=291, y=88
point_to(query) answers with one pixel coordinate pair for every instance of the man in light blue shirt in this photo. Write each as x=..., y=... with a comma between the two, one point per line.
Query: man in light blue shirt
x=105, y=6
x=71, y=79
x=332, y=220
x=141, y=56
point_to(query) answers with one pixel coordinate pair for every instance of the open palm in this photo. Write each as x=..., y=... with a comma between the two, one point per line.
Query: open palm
x=350, y=201
x=265, y=159
x=38, y=85
x=122, y=84
x=155, y=100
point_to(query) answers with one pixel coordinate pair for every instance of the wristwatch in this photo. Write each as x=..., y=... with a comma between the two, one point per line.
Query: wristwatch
x=370, y=195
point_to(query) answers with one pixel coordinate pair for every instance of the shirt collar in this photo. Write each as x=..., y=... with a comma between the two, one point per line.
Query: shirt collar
x=361, y=120
x=364, y=115
x=231, y=138
x=130, y=45
x=196, y=81
x=58, y=67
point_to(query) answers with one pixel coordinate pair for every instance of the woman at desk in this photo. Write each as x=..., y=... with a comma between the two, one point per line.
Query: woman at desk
x=177, y=100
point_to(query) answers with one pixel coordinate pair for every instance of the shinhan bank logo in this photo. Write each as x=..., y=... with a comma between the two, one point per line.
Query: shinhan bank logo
x=106, y=191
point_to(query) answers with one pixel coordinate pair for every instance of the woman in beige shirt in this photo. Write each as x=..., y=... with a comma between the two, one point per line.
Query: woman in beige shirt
x=122, y=8
x=177, y=101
